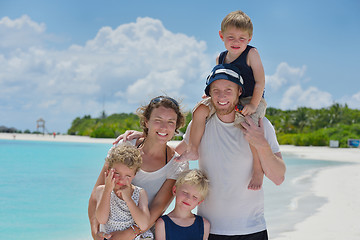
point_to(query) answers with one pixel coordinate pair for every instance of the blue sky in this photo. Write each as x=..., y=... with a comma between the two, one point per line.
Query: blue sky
x=65, y=59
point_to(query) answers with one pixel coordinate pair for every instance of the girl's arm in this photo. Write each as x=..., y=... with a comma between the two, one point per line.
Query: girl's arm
x=103, y=207
x=140, y=213
x=160, y=230
x=254, y=61
x=103, y=193
x=94, y=224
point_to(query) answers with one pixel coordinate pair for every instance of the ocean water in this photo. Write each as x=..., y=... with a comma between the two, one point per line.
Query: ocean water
x=45, y=187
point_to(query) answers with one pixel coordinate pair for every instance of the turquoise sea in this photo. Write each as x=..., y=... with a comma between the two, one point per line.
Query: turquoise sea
x=45, y=187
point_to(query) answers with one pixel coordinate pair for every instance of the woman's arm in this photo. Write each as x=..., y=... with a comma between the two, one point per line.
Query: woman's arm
x=161, y=201
x=128, y=135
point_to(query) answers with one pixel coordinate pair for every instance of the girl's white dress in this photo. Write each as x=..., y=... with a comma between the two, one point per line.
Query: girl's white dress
x=120, y=217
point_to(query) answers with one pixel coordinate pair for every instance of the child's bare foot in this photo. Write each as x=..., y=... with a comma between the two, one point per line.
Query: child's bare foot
x=256, y=181
x=188, y=155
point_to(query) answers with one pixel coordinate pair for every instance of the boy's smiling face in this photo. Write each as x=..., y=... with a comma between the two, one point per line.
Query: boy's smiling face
x=187, y=196
x=235, y=40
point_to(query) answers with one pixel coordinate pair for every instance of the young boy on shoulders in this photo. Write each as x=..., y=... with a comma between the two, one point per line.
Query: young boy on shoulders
x=190, y=190
x=236, y=33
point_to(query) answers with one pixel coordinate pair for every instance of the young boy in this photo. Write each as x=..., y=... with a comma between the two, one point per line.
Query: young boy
x=236, y=33
x=190, y=190
x=122, y=205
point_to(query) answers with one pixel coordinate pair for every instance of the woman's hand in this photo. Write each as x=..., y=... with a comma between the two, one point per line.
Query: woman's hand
x=128, y=135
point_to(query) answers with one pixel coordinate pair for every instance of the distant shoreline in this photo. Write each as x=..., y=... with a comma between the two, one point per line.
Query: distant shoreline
x=319, y=153
x=51, y=138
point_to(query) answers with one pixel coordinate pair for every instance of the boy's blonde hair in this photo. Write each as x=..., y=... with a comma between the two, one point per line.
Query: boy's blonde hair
x=126, y=154
x=237, y=19
x=194, y=177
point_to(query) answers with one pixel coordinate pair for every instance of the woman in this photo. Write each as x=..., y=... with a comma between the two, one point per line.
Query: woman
x=160, y=119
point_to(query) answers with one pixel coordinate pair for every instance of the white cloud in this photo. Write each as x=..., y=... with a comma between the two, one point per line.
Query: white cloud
x=123, y=66
x=352, y=101
x=20, y=33
x=285, y=75
x=296, y=96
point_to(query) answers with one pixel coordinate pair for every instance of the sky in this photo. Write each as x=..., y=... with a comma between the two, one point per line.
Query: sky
x=60, y=60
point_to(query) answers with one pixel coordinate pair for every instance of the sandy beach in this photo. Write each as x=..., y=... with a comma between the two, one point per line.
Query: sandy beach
x=336, y=219
x=51, y=138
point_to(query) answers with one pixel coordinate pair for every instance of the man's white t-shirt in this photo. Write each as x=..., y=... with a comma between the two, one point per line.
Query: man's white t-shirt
x=225, y=155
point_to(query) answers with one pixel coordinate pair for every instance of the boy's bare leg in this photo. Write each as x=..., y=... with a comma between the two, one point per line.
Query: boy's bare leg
x=258, y=173
x=196, y=133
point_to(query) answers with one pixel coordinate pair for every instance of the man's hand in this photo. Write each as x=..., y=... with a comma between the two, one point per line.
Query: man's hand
x=254, y=134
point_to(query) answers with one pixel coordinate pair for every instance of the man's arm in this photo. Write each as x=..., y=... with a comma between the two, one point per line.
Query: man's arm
x=272, y=163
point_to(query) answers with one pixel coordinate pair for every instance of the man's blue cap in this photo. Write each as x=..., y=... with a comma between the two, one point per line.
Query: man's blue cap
x=224, y=71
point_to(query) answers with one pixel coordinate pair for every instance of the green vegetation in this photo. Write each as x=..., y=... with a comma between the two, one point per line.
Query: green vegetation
x=104, y=127
x=315, y=127
x=301, y=127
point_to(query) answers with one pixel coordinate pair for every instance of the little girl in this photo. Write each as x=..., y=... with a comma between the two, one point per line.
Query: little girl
x=122, y=205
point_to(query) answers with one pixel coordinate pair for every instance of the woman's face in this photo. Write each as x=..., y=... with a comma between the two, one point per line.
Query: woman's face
x=162, y=123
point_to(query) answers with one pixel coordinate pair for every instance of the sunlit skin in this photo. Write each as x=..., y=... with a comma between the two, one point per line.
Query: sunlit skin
x=187, y=197
x=122, y=177
x=161, y=128
x=118, y=180
x=235, y=41
x=225, y=95
x=162, y=124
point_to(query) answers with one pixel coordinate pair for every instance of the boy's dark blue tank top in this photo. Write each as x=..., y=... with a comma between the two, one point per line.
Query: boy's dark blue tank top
x=176, y=232
x=245, y=70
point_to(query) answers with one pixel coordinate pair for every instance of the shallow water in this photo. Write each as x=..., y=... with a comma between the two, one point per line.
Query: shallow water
x=45, y=187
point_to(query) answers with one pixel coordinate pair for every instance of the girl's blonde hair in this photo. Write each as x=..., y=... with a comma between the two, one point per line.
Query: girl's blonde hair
x=126, y=154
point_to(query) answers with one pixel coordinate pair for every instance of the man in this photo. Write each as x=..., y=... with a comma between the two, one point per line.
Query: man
x=234, y=211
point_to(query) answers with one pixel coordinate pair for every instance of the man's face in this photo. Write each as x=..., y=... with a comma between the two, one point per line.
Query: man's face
x=224, y=95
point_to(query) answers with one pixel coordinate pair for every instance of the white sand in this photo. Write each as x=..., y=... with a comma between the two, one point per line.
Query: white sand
x=51, y=138
x=337, y=219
